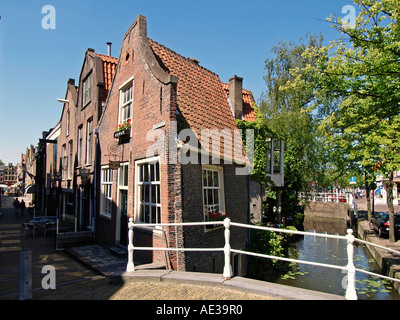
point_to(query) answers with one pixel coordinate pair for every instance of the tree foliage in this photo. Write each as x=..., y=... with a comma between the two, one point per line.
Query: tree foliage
x=288, y=112
x=361, y=71
x=261, y=132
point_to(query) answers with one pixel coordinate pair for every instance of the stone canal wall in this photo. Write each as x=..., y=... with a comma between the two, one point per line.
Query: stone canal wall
x=389, y=263
x=336, y=210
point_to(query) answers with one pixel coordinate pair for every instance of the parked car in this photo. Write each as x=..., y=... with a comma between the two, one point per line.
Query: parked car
x=380, y=223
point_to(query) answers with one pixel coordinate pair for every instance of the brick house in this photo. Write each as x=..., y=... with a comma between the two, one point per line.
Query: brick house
x=51, y=192
x=159, y=123
x=65, y=153
x=76, y=145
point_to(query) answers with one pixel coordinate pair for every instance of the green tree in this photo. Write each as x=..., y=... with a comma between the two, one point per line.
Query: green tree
x=289, y=113
x=362, y=72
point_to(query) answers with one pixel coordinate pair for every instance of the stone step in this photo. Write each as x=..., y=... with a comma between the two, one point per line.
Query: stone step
x=118, y=252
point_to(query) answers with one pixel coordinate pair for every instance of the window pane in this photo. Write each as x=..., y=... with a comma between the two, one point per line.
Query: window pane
x=157, y=171
x=126, y=176
x=158, y=194
x=153, y=194
x=145, y=173
x=141, y=191
x=152, y=172
x=210, y=179
x=216, y=183
x=277, y=161
x=205, y=178
x=216, y=196
x=277, y=144
x=210, y=197
x=146, y=193
x=141, y=169
x=146, y=214
x=121, y=175
x=268, y=162
x=158, y=215
x=153, y=214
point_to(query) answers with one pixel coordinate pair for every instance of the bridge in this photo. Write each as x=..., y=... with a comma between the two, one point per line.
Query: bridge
x=226, y=278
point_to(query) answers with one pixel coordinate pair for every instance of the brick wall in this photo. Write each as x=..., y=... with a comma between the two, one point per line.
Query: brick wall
x=236, y=203
x=154, y=102
x=154, y=99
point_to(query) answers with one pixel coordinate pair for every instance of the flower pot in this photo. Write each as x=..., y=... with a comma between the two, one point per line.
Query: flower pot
x=122, y=133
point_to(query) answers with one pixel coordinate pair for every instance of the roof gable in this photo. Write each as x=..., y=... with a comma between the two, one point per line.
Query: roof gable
x=200, y=95
x=201, y=99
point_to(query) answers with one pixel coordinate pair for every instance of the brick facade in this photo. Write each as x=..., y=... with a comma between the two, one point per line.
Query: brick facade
x=78, y=122
x=159, y=105
x=160, y=94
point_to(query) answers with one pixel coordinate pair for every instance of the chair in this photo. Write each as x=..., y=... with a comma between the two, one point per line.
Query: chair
x=25, y=228
x=32, y=228
x=42, y=227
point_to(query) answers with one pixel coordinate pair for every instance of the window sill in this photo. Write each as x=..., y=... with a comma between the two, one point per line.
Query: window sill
x=86, y=104
x=105, y=216
x=217, y=227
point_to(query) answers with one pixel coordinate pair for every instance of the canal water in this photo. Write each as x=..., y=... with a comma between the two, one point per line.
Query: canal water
x=333, y=251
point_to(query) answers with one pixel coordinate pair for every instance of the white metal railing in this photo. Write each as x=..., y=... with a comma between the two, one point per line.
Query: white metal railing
x=326, y=196
x=227, y=272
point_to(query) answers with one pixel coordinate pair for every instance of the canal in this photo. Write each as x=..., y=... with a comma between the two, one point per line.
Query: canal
x=332, y=251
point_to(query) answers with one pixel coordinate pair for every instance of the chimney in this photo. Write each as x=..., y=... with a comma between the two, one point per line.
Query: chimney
x=236, y=96
x=194, y=60
x=109, y=48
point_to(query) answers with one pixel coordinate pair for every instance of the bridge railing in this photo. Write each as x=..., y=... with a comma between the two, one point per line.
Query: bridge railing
x=227, y=250
x=326, y=196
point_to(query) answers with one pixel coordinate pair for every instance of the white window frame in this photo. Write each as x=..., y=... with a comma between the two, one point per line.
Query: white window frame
x=70, y=162
x=220, y=205
x=122, y=175
x=139, y=187
x=68, y=122
x=79, y=147
x=89, y=141
x=87, y=89
x=123, y=103
x=64, y=162
x=107, y=176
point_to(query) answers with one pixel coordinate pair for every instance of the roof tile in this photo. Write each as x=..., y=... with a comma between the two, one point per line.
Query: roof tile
x=200, y=96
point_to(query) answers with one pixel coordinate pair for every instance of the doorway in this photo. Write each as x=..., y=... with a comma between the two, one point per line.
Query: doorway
x=123, y=205
x=122, y=214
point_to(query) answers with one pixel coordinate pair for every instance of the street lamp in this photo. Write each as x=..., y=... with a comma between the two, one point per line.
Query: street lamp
x=279, y=210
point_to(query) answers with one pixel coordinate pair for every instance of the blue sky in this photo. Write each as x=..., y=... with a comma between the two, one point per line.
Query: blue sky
x=228, y=37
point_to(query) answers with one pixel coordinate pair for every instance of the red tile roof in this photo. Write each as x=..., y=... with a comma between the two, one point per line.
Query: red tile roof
x=109, y=66
x=248, y=103
x=200, y=94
